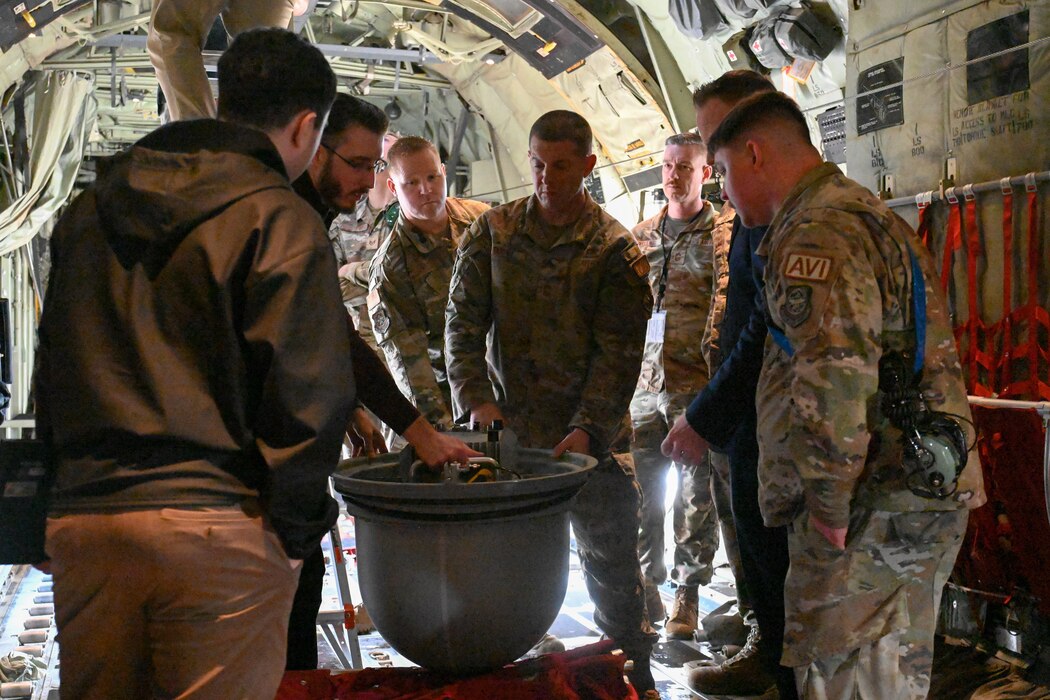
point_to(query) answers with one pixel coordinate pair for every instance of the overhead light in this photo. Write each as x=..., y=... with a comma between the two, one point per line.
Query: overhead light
x=392, y=110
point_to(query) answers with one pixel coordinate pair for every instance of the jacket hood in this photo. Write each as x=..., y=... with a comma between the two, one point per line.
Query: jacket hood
x=152, y=195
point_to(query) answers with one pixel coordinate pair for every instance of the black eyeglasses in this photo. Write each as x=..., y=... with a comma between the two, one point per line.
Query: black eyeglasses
x=361, y=164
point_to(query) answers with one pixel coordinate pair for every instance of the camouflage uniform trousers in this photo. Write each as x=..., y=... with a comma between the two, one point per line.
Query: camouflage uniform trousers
x=605, y=523
x=724, y=509
x=695, y=520
x=892, y=560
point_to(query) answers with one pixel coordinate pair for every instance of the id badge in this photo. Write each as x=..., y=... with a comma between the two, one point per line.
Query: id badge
x=654, y=331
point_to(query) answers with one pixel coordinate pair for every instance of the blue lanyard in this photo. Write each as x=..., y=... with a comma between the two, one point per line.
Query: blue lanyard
x=918, y=301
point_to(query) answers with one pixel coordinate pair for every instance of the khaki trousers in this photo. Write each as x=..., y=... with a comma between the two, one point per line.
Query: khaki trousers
x=170, y=603
x=177, y=31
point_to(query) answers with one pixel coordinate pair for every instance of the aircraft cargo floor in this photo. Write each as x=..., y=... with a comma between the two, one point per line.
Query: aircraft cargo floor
x=960, y=673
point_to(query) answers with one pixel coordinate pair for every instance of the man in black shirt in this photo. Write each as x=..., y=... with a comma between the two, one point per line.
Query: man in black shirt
x=340, y=174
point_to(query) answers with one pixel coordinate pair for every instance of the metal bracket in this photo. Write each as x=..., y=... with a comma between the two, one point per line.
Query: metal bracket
x=1029, y=182
x=951, y=171
x=886, y=183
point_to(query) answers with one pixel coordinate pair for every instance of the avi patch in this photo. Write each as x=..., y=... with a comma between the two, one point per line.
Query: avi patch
x=812, y=268
x=798, y=305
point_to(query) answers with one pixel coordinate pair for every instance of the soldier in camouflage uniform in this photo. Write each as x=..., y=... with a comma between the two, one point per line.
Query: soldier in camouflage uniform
x=678, y=244
x=555, y=291
x=714, y=352
x=410, y=275
x=356, y=237
x=868, y=555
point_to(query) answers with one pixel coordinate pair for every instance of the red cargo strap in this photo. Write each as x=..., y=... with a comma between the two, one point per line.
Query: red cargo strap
x=952, y=237
x=922, y=201
x=1004, y=328
x=1032, y=314
x=975, y=358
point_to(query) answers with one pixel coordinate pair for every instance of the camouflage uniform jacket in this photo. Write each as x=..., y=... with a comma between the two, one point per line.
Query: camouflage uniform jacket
x=567, y=318
x=408, y=292
x=838, y=284
x=355, y=240
x=676, y=365
x=721, y=238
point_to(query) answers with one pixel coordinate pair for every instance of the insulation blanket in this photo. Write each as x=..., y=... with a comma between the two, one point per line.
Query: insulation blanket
x=969, y=86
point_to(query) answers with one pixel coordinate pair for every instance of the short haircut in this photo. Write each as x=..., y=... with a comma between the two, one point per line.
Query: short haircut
x=732, y=87
x=563, y=125
x=406, y=146
x=764, y=109
x=268, y=76
x=687, y=138
x=348, y=111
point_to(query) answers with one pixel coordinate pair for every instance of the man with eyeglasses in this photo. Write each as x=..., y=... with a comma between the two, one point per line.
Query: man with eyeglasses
x=340, y=174
x=410, y=273
x=355, y=239
x=345, y=166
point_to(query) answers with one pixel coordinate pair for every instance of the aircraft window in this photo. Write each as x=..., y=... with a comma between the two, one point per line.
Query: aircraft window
x=513, y=16
x=1005, y=71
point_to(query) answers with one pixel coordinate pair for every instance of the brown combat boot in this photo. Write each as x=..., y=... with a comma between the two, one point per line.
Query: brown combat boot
x=654, y=604
x=741, y=675
x=681, y=624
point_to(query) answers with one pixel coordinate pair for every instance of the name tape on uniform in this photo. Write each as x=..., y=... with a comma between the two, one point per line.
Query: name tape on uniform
x=812, y=268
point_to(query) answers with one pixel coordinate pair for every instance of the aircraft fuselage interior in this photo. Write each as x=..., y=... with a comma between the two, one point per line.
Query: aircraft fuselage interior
x=940, y=108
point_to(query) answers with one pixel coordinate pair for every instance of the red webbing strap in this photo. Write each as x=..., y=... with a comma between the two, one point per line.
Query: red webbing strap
x=952, y=237
x=1005, y=327
x=1036, y=313
x=922, y=201
x=1032, y=314
x=975, y=357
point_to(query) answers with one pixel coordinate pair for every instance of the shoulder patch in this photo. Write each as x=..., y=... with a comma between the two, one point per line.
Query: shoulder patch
x=380, y=320
x=641, y=267
x=798, y=304
x=636, y=258
x=812, y=268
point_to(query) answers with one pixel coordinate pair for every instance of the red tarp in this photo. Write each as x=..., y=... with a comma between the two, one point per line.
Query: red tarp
x=586, y=673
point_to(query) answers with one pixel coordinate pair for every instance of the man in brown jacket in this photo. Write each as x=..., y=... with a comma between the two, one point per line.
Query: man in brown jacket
x=193, y=384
